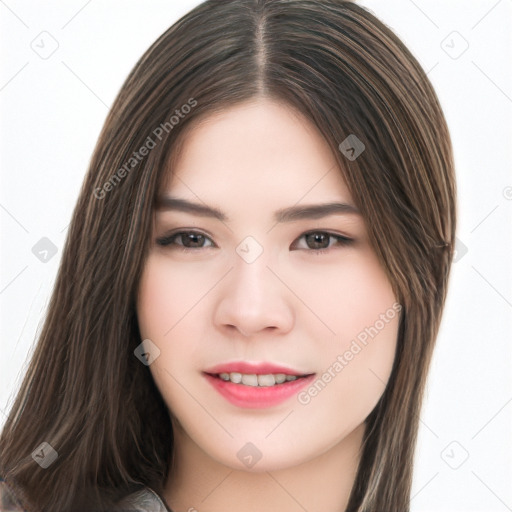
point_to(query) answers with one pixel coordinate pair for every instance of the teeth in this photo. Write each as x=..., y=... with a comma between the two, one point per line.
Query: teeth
x=266, y=380
x=257, y=380
x=235, y=377
x=250, y=380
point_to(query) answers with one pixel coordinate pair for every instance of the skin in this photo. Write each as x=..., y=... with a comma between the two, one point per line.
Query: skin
x=291, y=306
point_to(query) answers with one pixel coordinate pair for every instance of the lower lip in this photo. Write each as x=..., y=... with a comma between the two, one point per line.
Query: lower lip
x=256, y=397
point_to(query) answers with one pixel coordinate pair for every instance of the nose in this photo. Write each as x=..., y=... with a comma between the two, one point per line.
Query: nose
x=253, y=300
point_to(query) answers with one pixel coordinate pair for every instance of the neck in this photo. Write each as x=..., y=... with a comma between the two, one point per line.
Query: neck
x=198, y=483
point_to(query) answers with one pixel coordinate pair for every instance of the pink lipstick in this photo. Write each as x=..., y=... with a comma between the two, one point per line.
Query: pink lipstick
x=256, y=385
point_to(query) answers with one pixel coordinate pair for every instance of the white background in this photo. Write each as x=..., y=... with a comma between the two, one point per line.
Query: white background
x=52, y=111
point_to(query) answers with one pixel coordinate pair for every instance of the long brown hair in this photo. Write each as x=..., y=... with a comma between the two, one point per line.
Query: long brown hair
x=85, y=393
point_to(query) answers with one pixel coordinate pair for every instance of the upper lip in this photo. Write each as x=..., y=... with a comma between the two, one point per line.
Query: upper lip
x=247, y=368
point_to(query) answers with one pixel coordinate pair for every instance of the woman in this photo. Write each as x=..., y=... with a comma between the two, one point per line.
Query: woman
x=253, y=278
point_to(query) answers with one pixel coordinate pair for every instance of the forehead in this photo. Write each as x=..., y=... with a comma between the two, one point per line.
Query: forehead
x=259, y=151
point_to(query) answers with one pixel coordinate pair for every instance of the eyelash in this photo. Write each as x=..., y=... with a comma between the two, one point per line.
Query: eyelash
x=168, y=240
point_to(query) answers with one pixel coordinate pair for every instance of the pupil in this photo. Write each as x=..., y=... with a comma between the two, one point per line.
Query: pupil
x=318, y=238
x=191, y=239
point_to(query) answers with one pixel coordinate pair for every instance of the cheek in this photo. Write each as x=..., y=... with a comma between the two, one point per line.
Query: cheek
x=166, y=294
x=357, y=303
x=168, y=301
x=347, y=295
x=354, y=373
x=162, y=303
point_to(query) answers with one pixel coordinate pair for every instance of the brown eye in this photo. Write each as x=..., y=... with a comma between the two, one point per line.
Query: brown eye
x=191, y=240
x=186, y=240
x=320, y=241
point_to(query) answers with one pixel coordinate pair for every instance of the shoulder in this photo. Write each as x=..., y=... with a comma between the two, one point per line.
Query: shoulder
x=145, y=500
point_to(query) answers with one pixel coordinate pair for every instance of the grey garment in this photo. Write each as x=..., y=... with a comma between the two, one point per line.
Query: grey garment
x=145, y=500
x=8, y=502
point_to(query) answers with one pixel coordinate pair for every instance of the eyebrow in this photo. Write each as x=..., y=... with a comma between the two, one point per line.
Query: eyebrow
x=290, y=214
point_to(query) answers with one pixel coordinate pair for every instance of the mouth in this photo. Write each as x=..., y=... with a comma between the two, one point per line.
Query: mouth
x=256, y=386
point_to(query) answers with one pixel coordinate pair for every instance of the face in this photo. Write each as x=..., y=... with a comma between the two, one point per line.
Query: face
x=258, y=284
